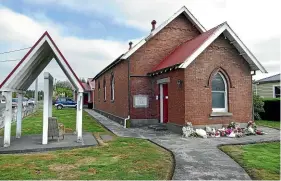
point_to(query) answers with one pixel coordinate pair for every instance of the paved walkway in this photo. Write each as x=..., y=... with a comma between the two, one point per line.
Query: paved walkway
x=196, y=158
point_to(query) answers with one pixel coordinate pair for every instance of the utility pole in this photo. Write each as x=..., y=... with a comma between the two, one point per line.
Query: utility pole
x=36, y=92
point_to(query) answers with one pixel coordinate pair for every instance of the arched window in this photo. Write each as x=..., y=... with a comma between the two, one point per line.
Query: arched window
x=104, y=89
x=99, y=90
x=219, y=93
x=112, y=86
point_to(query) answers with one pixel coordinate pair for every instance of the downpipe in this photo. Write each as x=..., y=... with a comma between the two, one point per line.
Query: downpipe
x=125, y=121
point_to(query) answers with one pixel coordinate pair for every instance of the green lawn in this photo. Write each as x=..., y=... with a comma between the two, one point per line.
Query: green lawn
x=120, y=159
x=274, y=124
x=261, y=161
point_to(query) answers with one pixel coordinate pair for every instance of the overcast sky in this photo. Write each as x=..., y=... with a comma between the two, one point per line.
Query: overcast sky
x=91, y=34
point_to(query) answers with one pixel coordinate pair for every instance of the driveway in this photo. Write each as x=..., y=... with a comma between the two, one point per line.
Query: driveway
x=196, y=158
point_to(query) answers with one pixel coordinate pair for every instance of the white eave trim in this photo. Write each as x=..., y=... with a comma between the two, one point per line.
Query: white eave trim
x=248, y=56
x=184, y=10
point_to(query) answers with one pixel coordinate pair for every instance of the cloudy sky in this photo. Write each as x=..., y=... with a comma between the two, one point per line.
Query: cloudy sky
x=92, y=33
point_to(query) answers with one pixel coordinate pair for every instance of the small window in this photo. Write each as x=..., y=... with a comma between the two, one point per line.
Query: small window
x=104, y=89
x=276, y=91
x=112, y=87
x=99, y=90
x=219, y=93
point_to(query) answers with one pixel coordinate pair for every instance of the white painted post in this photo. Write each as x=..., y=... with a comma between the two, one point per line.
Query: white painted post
x=36, y=92
x=8, y=119
x=19, y=115
x=79, y=116
x=46, y=112
x=50, y=97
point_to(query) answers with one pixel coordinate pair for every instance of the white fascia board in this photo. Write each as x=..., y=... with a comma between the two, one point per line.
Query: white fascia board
x=165, y=23
x=245, y=49
x=197, y=52
x=64, y=67
x=224, y=27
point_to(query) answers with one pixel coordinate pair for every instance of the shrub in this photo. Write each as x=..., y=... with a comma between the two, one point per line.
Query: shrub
x=258, y=106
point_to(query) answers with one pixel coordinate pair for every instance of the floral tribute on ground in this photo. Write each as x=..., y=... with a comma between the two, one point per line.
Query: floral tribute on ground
x=232, y=130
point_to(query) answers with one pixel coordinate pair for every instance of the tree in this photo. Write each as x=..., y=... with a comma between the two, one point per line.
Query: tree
x=63, y=88
x=83, y=80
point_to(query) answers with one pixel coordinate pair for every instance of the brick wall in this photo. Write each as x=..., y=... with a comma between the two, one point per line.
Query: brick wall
x=119, y=106
x=149, y=55
x=198, y=102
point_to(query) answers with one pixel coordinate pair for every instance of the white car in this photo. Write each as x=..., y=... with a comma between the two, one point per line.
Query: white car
x=31, y=101
x=15, y=102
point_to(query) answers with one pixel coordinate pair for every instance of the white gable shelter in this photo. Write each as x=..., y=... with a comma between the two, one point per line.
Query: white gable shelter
x=24, y=74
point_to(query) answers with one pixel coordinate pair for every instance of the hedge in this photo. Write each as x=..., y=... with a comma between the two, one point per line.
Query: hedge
x=272, y=109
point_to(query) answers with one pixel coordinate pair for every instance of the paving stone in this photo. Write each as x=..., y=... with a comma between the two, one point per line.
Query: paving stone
x=196, y=158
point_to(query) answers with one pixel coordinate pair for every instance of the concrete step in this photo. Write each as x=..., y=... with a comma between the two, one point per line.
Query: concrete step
x=158, y=127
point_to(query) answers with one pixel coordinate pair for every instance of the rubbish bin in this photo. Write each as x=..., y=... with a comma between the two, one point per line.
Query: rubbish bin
x=90, y=105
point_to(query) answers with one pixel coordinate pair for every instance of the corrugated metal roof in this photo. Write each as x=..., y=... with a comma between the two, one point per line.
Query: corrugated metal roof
x=183, y=51
x=274, y=78
x=86, y=86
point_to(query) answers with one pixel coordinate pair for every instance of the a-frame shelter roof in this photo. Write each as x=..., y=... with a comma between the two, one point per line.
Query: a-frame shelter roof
x=34, y=62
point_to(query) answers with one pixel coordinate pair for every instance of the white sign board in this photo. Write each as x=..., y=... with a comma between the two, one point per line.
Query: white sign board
x=140, y=101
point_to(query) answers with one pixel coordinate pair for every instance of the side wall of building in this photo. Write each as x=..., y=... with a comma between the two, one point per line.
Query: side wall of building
x=198, y=102
x=119, y=106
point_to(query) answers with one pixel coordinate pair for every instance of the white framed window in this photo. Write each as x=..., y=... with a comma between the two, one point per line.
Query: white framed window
x=104, y=89
x=99, y=90
x=112, y=87
x=219, y=93
x=276, y=91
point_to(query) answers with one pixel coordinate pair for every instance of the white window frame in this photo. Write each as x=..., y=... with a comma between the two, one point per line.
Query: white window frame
x=105, y=92
x=225, y=109
x=273, y=90
x=112, y=88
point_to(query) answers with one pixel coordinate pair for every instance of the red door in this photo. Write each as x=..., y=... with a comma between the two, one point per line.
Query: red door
x=165, y=103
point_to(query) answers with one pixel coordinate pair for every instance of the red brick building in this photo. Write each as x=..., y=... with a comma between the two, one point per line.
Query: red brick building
x=180, y=73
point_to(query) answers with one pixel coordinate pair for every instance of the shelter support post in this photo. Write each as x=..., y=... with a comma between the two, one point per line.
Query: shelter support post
x=47, y=109
x=50, y=97
x=19, y=115
x=8, y=119
x=79, y=116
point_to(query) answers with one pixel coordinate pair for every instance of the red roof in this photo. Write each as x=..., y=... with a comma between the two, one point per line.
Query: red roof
x=86, y=86
x=182, y=52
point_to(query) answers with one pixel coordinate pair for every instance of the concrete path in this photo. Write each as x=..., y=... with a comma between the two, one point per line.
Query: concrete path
x=33, y=143
x=196, y=158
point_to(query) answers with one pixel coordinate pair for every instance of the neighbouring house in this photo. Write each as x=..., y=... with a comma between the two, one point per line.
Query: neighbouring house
x=2, y=98
x=268, y=87
x=91, y=83
x=88, y=95
x=180, y=73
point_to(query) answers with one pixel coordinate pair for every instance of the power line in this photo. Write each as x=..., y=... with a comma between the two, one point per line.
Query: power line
x=10, y=60
x=15, y=50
